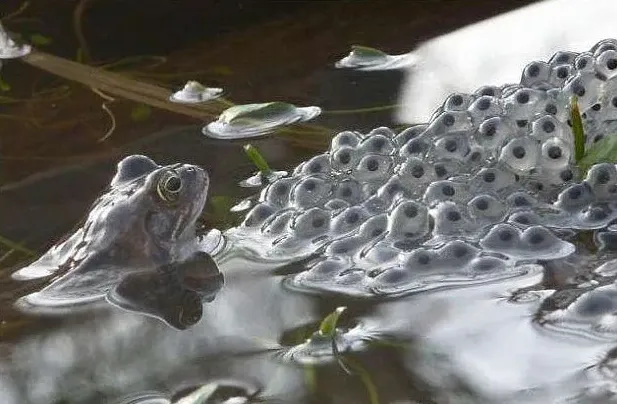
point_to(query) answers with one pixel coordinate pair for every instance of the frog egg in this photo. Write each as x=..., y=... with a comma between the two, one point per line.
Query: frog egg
x=457, y=102
x=278, y=223
x=557, y=177
x=326, y=269
x=319, y=164
x=555, y=154
x=535, y=243
x=585, y=62
x=492, y=179
x=487, y=264
x=484, y=107
x=452, y=147
x=603, y=46
x=501, y=238
x=420, y=260
x=392, y=189
x=373, y=167
x=415, y=171
x=492, y=133
x=310, y=223
x=450, y=122
x=336, y=204
x=258, y=215
x=535, y=73
x=376, y=144
x=521, y=199
x=449, y=219
x=382, y=131
x=444, y=190
x=476, y=156
x=374, y=227
x=602, y=178
x=547, y=126
x=525, y=218
x=524, y=103
x=443, y=171
x=559, y=74
x=586, y=86
x=562, y=57
x=415, y=147
x=310, y=191
x=492, y=91
x=344, y=246
x=346, y=138
x=595, y=216
x=486, y=207
x=348, y=190
x=277, y=193
x=520, y=154
x=408, y=219
x=349, y=219
x=456, y=254
x=575, y=197
x=410, y=133
x=608, y=101
x=344, y=158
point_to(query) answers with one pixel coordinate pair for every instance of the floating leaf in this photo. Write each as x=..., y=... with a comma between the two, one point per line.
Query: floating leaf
x=577, y=129
x=141, y=112
x=194, y=92
x=251, y=120
x=328, y=325
x=367, y=58
x=603, y=151
x=40, y=40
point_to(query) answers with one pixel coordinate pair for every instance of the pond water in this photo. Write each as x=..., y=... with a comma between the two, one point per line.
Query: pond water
x=247, y=334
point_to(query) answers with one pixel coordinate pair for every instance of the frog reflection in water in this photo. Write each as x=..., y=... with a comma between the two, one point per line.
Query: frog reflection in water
x=138, y=246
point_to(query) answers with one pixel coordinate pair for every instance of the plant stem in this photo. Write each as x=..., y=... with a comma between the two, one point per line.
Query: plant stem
x=577, y=129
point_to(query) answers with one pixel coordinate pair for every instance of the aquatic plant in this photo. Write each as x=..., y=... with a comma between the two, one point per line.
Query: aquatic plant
x=367, y=58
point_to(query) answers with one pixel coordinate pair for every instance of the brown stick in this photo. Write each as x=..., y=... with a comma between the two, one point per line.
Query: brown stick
x=116, y=84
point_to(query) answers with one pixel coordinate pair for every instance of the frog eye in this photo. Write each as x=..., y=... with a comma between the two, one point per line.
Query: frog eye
x=169, y=186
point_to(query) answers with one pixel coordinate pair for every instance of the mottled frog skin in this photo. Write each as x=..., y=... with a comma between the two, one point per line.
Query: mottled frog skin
x=145, y=221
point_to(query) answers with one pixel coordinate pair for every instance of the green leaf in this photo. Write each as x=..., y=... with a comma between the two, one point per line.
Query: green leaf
x=577, y=129
x=257, y=159
x=603, y=151
x=40, y=40
x=141, y=112
x=250, y=113
x=367, y=52
x=328, y=325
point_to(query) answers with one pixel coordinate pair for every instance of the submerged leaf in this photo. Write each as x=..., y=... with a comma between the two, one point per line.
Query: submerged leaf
x=367, y=52
x=603, y=151
x=141, y=112
x=40, y=40
x=328, y=325
x=577, y=129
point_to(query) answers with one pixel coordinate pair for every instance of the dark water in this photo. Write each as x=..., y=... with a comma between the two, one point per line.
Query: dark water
x=453, y=346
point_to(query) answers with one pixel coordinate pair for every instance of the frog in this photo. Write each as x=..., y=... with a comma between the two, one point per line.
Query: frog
x=145, y=221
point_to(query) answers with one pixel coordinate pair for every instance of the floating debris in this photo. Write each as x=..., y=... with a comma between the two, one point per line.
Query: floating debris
x=252, y=120
x=366, y=58
x=9, y=49
x=260, y=179
x=194, y=92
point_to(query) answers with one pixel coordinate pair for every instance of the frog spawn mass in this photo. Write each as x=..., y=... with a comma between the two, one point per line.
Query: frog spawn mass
x=476, y=194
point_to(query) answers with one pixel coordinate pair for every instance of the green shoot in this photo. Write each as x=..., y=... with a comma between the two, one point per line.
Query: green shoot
x=577, y=129
x=328, y=325
x=257, y=159
x=17, y=247
x=40, y=40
